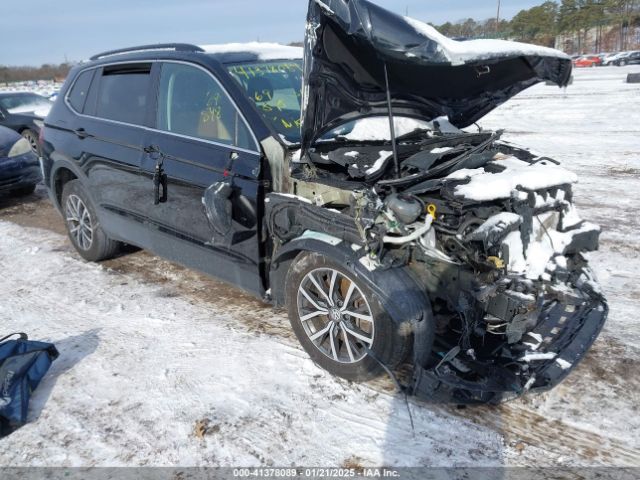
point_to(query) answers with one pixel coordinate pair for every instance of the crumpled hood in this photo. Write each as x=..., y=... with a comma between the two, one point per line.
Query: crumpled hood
x=349, y=42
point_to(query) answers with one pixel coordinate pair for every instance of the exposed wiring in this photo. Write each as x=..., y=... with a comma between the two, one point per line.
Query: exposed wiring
x=402, y=390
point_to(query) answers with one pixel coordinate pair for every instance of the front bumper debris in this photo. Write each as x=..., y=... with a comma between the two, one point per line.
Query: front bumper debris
x=567, y=330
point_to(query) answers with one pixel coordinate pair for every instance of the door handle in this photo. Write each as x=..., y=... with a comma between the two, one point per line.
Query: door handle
x=81, y=133
x=160, y=180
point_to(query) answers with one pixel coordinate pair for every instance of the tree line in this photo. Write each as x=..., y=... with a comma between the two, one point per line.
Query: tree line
x=43, y=72
x=581, y=26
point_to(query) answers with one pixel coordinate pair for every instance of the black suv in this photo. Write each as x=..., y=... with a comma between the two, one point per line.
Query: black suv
x=343, y=187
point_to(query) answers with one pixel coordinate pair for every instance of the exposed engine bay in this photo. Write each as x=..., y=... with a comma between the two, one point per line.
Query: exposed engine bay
x=489, y=231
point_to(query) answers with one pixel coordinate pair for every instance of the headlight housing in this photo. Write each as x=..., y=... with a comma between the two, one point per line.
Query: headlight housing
x=21, y=147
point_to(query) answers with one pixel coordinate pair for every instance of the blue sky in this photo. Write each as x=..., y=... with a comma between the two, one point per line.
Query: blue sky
x=38, y=31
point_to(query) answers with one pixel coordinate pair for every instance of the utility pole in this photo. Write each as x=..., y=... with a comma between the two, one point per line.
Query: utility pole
x=498, y=18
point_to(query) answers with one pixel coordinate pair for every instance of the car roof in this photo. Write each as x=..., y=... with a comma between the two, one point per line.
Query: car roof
x=18, y=92
x=224, y=53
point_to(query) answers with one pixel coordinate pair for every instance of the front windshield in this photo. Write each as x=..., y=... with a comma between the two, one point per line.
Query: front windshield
x=23, y=102
x=275, y=87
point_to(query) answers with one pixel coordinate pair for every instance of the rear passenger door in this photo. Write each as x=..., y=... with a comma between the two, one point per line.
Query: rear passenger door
x=115, y=112
x=211, y=159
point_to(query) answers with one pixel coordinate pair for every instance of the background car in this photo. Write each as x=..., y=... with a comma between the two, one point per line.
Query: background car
x=19, y=166
x=631, y=58
x=587, y=61
x=24, y=113
x=609, y=59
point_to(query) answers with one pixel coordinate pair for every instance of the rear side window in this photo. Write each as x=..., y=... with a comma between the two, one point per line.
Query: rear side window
x=78, y=94
x=124, y=93
x=192, y=103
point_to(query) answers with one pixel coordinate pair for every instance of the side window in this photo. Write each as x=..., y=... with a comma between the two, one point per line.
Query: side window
x=123, y=93
x=78, y=94
x=192, y=103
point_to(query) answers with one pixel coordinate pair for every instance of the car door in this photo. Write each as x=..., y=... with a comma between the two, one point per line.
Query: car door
x=204, y=203
x=112, y=105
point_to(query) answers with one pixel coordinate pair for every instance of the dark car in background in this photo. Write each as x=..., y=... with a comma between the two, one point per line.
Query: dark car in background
x=24, y=113
x=631, y=58
x=343, y=187
x=19, y=166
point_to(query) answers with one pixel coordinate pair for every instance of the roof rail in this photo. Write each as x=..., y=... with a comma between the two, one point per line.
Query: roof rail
x=178, y=47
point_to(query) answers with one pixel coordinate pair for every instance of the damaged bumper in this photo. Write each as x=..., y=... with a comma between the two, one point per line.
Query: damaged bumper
x=550, y=351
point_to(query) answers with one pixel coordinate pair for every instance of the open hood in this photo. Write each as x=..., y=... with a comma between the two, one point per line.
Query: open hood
x=349, y=42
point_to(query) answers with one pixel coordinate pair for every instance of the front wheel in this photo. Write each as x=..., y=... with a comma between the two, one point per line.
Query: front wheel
x=83, y=227
x=339, y=321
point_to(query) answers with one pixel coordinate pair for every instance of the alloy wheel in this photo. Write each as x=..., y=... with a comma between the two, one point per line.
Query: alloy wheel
x=79, y=222
x=335, y=315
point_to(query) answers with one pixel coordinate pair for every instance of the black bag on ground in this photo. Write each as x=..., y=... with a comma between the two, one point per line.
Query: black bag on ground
x=23, y=364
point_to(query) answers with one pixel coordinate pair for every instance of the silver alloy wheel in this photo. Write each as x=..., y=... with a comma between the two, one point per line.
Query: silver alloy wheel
x=335, y=315
x=79, y=222
x=32, y=139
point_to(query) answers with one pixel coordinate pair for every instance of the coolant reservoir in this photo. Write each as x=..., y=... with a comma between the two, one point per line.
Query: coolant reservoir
x=406, y=208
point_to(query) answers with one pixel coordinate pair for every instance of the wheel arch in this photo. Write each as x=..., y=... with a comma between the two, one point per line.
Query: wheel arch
x=59, y=178
x=400, y=294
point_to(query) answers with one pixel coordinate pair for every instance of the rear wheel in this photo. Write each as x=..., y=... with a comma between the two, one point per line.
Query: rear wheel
x=82, y=224
x=339, y=321
x=32, y=138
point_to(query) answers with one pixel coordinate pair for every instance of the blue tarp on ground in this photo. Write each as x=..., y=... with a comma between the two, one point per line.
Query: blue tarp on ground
x=23, y=364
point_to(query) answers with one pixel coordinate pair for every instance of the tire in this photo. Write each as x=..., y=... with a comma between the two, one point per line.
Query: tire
x=346, y=359
x=623, y=63
x=32, y=138
x=24, y=191
x=83, y=225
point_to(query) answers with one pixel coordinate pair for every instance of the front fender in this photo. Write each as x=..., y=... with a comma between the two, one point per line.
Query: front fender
x=399, y=293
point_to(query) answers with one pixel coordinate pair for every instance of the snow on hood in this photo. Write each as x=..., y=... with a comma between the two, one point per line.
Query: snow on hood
x=485, y=186
x=264, y=51
x=459, y=53
x=353, y=49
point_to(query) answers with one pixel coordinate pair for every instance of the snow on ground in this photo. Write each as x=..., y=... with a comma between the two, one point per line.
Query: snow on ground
x=140, y=367
x=151, y=351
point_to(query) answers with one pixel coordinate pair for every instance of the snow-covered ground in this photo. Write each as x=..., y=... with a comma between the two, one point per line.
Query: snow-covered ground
x=162, y=366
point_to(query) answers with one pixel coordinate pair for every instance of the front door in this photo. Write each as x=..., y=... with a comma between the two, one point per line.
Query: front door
x=203, y=166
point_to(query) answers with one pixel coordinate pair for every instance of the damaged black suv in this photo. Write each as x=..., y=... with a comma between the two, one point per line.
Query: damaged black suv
x=336, y=180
